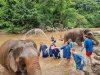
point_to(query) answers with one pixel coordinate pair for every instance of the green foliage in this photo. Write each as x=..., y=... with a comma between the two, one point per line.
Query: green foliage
x=14, y=30
x=17, y=16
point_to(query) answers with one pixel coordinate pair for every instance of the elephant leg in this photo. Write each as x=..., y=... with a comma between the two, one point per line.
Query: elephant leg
x=78, y=41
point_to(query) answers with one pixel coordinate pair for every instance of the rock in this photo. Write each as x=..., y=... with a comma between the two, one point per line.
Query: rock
x=96, y=66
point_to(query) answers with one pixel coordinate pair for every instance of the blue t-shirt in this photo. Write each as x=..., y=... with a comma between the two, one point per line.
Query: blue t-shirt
x=88, y=44
x=43, y=49
x=78, y=58
x=50, y=51
x=71, y=44
x=66, y=51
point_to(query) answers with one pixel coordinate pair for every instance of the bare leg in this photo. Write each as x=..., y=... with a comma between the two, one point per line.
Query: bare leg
x=68, y=61
x=91, y=60
x=78, y=72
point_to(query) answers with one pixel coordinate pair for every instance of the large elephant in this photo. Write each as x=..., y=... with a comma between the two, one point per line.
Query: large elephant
x=77, y=35
x=20, y=57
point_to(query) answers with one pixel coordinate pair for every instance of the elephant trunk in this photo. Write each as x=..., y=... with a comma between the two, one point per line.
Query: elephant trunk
x=33, y=66
x=96, y=41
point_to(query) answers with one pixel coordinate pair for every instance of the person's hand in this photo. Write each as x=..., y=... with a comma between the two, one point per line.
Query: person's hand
x=80, y=49
x=82, y=62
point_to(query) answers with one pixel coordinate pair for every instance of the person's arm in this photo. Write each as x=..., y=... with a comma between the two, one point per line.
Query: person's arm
x=62, y=47
x=47, y=48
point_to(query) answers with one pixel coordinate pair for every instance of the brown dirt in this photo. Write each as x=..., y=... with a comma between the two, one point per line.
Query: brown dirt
x=49, y=66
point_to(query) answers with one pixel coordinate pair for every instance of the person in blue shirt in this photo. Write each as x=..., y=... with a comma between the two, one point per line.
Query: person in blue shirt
x=88, y=45
x=66, y=51
x=71, y=44
x=51, y=50
x=43, y=48
x=79, y=61
x=53, y=39
x=56, y=52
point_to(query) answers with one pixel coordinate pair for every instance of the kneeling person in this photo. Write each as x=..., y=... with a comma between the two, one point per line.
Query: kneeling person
x=66, y=52
x=43, y=48
x=56, y=53
x=80, y=62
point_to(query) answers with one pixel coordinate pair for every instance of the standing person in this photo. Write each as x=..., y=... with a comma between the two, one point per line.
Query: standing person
x=79, y=61
x=71, y=43
x=88, y=45
x=53, y=39
x=66, y=52
x=43, y=48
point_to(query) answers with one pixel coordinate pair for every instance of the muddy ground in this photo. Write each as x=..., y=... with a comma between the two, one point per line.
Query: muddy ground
x=49, y=66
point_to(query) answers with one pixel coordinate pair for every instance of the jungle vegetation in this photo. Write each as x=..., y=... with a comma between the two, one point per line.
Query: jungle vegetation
x=17, y=16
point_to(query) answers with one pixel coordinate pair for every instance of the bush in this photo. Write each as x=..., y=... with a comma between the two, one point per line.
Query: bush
x=14, y=30
x=4, y=24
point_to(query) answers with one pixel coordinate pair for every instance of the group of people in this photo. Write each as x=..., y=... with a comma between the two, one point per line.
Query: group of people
x=69, y=50
x=51, y=51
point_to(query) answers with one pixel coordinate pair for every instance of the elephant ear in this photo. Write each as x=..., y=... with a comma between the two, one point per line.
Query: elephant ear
x=12, y=62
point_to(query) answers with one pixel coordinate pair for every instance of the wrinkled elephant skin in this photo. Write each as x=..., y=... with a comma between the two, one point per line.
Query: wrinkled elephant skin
x=77, y=35
x=20, y=57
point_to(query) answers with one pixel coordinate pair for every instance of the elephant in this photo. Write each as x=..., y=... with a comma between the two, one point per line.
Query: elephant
x=20, y=57
x=77, y=35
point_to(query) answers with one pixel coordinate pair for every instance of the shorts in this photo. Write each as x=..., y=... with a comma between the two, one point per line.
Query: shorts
x=88, y=54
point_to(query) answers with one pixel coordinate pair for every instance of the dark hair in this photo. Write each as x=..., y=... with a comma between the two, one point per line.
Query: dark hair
x=54, y=41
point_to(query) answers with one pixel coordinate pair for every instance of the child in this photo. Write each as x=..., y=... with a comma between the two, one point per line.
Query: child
x=56, y=53
x=53, y=39
x=88, y=45
x=80, y=63
x=71, y=44
x=66, y=51
x=43, y=48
